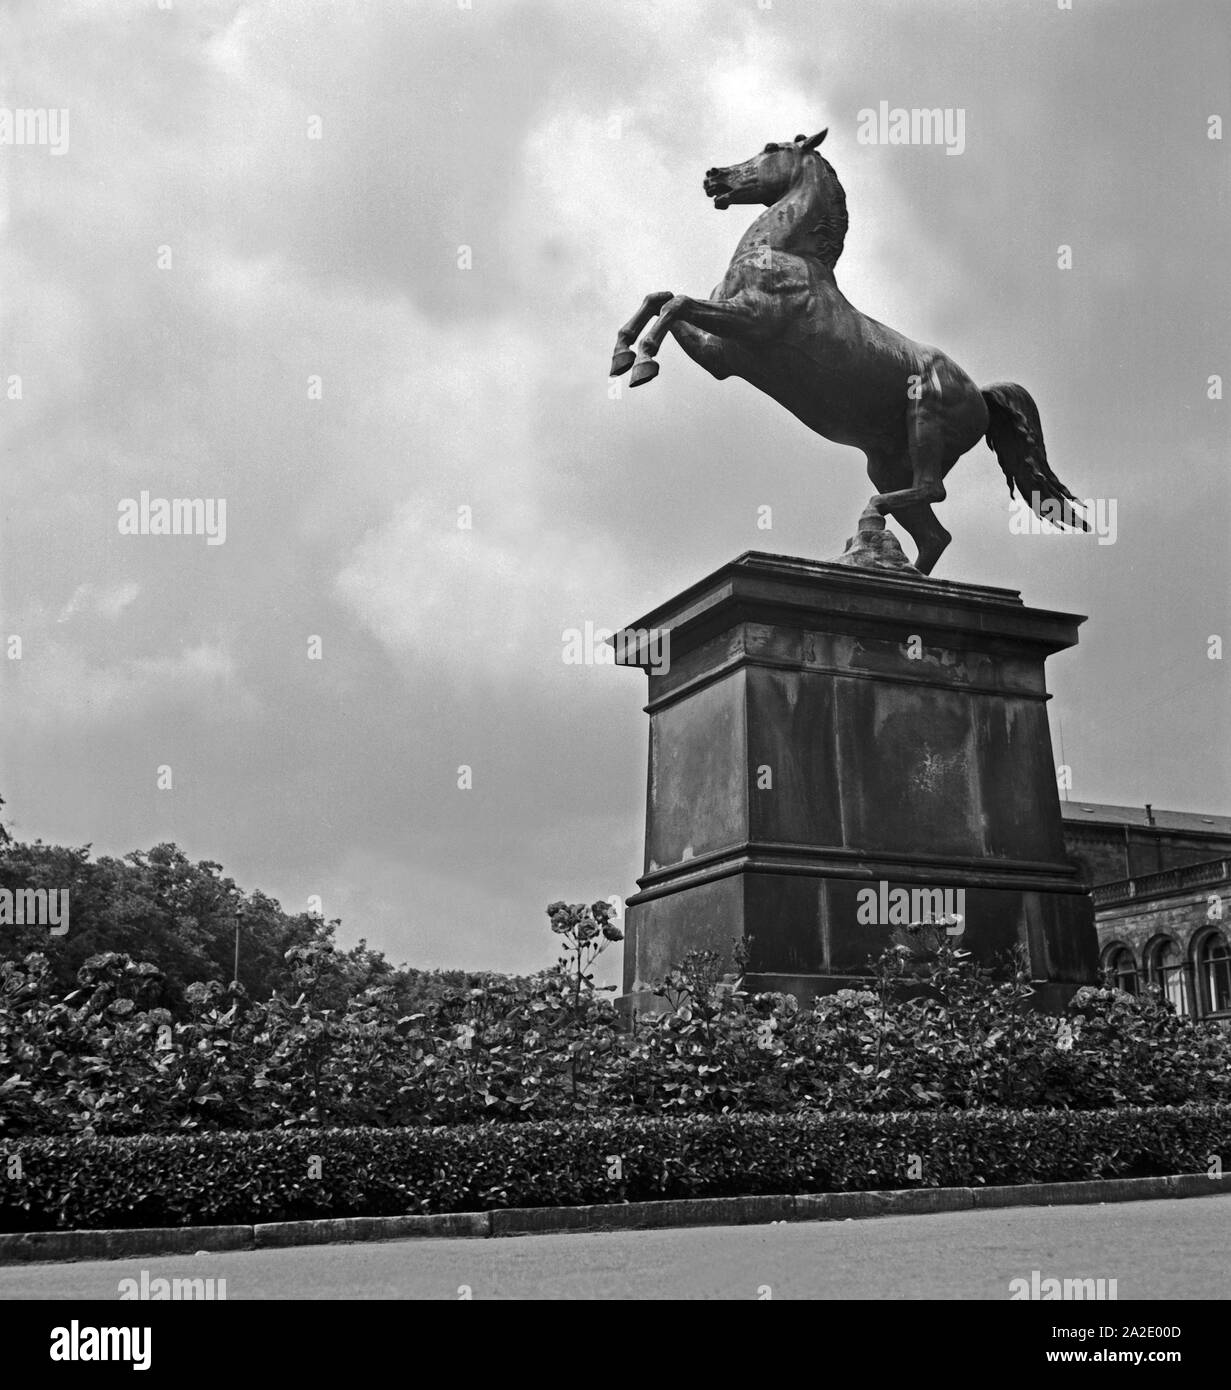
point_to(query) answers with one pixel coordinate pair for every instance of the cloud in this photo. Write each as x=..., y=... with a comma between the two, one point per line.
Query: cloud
x=490, y=598
x=565, y=146
x=108, y=600
x=57, y=684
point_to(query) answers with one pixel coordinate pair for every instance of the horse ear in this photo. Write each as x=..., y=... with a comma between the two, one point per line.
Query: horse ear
x=816, y=139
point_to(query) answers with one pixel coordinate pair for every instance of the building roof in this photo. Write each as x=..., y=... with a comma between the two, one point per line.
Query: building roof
x=1191, y=822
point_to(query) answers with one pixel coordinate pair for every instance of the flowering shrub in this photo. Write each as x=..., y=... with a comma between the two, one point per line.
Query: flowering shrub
x=933, y=1031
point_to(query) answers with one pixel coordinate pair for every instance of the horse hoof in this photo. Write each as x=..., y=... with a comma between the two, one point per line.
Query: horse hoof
x=621, y=360
x=645, y=370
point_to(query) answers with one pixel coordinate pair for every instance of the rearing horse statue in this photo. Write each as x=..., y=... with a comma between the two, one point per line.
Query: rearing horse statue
x=779, y=320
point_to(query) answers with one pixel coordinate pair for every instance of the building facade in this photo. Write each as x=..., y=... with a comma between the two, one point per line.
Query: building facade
x=1161, y=883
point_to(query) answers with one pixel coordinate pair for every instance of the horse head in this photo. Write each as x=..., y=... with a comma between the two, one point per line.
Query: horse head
x=765, y=178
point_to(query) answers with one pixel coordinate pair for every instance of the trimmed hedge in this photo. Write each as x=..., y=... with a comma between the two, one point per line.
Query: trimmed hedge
x=220, y=1178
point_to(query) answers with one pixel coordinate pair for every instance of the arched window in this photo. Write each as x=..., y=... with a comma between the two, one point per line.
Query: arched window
x=1213, y=968
x=1165, y=970
x=1118, y=962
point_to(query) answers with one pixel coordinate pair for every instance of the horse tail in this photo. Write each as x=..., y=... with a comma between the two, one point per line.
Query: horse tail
x=1015, y=434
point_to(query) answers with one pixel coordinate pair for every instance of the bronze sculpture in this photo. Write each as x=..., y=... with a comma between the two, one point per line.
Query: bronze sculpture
x=779, y=320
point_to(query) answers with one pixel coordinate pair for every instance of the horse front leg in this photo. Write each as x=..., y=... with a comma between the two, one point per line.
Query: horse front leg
x=725, y=318
x=623, y=357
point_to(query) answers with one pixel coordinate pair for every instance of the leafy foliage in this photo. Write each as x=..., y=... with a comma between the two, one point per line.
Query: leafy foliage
x=935, y=1032
x=201, y=1179
x=157, y=906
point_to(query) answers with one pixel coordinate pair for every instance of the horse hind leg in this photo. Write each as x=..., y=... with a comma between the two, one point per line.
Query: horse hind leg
x=929, y=460
x=917, y=519
x=623, y=357
x=930, y=537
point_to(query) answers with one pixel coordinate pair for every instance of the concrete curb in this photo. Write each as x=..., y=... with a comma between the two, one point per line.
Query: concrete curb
x=1058, y=1194
x=42, y=1246
x=275, y=1234
x=641, y=1216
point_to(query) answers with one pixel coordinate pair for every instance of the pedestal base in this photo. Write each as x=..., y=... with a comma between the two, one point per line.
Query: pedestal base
x=832, y=750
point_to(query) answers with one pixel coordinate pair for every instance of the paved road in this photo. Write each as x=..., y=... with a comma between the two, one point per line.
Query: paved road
x=1155, y=1250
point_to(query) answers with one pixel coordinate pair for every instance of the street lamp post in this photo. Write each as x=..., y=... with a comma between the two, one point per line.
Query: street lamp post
x=239, y=913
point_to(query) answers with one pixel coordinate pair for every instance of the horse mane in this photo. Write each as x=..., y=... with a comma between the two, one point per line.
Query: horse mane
x=830, y=229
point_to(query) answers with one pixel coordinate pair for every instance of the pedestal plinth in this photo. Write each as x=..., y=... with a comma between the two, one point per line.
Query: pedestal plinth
x=821, y=730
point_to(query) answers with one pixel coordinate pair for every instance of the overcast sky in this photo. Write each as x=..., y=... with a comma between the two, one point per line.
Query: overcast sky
x=564, y=144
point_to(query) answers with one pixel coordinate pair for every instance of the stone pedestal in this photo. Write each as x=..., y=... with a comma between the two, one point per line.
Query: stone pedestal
x=822, y=729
